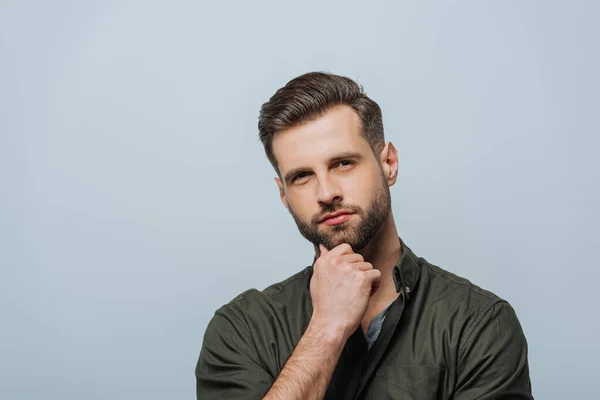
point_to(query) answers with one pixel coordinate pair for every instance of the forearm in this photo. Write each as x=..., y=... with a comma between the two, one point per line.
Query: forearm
x=308, y=371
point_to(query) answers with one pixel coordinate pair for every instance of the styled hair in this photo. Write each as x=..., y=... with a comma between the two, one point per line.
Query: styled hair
x=309, y=96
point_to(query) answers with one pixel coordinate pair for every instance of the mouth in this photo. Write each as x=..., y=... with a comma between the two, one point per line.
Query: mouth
x=336, y=218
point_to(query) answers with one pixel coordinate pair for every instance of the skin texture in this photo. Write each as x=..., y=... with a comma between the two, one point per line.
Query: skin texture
x=326, y=165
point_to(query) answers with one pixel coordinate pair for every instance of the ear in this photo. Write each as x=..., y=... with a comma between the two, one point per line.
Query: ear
x=281, y=192
x=389, y=163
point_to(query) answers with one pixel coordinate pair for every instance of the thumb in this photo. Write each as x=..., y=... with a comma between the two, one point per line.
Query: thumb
x=323, y=249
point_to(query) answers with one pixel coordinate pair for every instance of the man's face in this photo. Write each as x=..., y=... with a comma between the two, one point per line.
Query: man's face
x=331, y=181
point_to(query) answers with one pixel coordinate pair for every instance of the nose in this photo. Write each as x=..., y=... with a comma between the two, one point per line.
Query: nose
x=329, y=191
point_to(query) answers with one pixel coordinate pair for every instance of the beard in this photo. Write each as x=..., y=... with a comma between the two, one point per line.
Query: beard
x=357, y=232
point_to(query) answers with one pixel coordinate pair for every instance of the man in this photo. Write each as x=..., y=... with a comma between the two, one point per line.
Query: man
x=369, y=319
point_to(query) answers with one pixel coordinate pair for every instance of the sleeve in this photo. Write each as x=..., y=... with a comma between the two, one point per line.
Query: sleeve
x=229, y=366
x=492, y=363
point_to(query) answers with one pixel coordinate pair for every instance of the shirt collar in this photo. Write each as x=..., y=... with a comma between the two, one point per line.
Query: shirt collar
x=407, y=271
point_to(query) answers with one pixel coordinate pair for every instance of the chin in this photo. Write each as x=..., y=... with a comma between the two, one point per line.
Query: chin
x=337, y=240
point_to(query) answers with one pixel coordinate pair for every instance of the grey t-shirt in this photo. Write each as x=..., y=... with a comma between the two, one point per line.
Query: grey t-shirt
x=375, y=327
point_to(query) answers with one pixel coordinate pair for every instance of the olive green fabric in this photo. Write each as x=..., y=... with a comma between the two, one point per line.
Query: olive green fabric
x=443, y=338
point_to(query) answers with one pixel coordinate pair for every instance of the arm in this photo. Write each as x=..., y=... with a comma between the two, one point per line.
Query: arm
x=307, y=373
x=340, y=289
x=230, y=367
x=493, y=359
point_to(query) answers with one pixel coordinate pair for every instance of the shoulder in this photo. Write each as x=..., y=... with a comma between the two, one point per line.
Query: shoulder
x=248, y=339
x=464, y=305
x=253, y=302
x=276, y=292
x=488, y=340
x=445, y=286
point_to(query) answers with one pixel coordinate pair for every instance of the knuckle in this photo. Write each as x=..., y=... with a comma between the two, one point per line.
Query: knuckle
x=362, y=277
x=347, y=269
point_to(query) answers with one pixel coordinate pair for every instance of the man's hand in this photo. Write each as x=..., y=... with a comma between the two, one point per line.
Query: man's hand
x=340, y=288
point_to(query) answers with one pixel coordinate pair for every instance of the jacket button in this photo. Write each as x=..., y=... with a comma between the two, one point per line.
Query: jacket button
x=407, y=290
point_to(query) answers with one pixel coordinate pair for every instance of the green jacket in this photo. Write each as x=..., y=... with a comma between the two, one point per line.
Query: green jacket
x=443, y=338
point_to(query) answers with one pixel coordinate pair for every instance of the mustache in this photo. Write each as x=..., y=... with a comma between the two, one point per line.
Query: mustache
x=331, y=208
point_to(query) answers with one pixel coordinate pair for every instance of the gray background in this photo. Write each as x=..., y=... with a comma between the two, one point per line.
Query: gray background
x=136, y=198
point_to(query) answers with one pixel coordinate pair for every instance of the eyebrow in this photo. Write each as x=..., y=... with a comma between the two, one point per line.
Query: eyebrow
x=338, y=157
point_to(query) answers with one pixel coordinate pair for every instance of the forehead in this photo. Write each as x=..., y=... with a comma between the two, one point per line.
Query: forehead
x=337, y=131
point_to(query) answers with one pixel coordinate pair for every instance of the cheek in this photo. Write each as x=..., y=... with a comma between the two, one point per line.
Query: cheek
x=359, y=189
x=301, y=204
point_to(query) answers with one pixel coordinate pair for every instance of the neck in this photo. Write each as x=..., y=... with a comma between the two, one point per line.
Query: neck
x=384, y=250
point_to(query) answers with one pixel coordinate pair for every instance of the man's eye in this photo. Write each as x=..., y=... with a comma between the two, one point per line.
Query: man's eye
x=345, y=163
x=300, y=176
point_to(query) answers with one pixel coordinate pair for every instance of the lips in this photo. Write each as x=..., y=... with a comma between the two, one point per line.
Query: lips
x=337, y=217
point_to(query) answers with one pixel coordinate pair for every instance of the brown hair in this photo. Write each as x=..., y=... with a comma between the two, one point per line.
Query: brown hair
x=308, y=97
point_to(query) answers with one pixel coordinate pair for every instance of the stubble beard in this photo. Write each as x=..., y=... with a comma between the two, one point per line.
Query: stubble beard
x=357, y=232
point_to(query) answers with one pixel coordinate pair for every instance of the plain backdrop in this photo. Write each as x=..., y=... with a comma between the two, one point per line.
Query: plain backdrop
x=135, y=197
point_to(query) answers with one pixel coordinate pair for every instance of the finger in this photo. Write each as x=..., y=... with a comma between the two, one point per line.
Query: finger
x=364, y=266
x=351, y=258
x=341, y=249
x=374, y=275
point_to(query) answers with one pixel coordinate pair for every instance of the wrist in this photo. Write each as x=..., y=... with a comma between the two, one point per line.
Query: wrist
x=332, y=337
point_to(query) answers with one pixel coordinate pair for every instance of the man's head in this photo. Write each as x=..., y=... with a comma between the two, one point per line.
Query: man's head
x=325, y=139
